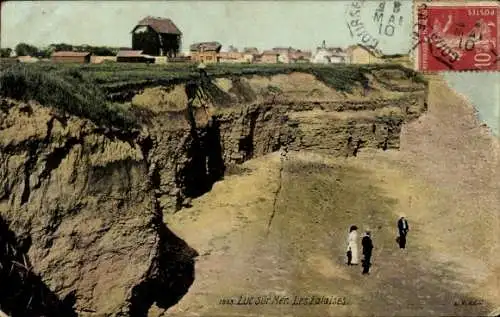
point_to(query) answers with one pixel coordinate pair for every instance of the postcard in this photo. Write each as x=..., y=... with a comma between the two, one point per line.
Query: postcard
x=249, y=158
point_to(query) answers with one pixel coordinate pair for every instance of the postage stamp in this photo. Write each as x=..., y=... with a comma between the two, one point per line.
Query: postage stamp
x=457, y=36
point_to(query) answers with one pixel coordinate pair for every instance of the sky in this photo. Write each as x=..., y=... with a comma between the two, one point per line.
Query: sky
x=261, y=24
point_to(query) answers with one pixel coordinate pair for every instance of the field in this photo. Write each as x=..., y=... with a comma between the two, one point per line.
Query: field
x=110, y=75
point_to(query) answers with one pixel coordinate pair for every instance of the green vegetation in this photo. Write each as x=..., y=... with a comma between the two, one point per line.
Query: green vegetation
x=66, y=90
x=24, y=49
x=113, y=76
x=85, y=89
x=5, y=52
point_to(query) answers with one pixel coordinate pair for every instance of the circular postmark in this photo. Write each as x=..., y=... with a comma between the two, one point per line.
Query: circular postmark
x=371, y=23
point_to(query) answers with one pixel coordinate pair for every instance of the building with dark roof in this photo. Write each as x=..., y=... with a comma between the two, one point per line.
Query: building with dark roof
x=130, y=56
x=251, y=50
x=269, y=57
x=157, y=36
x=206, y=47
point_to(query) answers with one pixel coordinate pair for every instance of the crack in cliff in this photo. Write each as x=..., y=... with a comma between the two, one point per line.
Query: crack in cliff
x=247, y=143
x=33, y=152
x=169, y=277
x=54, y=159
x=171, y=271
x=28, y=167
x=283, y=157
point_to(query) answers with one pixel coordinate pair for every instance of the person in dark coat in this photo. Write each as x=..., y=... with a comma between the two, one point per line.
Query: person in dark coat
x=367, y=244
x=403, y=231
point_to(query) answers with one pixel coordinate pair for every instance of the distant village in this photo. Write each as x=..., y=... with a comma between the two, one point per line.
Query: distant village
x=158, y=40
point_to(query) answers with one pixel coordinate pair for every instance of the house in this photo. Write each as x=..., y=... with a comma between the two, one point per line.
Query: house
x=250, y=54
x=328, y=55
x=231, y=57
x=283, y=50
x=283, y=58
x=157, y=37
x=269, y=57
x=135, y=56
x=285, y=54
x=205, y=52
x=360, y=54
x=300, y=57
x=70, y=57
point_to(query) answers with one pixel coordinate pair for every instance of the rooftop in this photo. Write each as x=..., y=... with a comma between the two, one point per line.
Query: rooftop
x=160, y=25
x=205, y=46
x=70, y=54
x=129, y=53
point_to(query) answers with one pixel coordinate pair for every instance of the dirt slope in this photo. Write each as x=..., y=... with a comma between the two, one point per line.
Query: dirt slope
x=445, y=179
x=79, y=197
x=91, y=197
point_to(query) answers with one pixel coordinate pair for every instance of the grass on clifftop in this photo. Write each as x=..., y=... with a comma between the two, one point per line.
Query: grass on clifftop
x=84, y=90
x=111, y=76
x=67, y=91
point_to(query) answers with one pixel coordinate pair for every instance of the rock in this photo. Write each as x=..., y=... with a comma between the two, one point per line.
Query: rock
x=91, y=199
x=86, y=203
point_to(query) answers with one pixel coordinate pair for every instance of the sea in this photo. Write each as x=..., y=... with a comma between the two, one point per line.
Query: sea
x=482, y=89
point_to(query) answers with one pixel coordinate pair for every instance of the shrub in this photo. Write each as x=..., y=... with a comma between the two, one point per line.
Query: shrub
x=68, y=91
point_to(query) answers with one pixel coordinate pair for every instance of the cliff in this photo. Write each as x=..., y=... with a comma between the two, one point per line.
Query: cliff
x=83, y=197
x=90, y=199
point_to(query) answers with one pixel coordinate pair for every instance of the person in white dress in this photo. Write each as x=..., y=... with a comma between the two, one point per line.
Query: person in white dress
x=352, y=246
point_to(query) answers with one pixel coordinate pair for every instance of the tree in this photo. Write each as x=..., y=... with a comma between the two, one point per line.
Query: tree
x=44, y=53
x=62, y=47
x=102, y=51
x=23, y=49
x=5, y=52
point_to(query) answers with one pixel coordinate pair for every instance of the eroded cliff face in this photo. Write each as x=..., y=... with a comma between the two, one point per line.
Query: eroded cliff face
x=250, y=117
x=82, y=194
x=91, y=199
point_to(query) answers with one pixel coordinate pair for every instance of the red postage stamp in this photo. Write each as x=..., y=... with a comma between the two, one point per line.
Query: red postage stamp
x=457, y=36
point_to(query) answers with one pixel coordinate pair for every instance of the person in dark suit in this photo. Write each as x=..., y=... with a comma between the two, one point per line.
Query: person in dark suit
x=403, y=229
x=367, y=244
